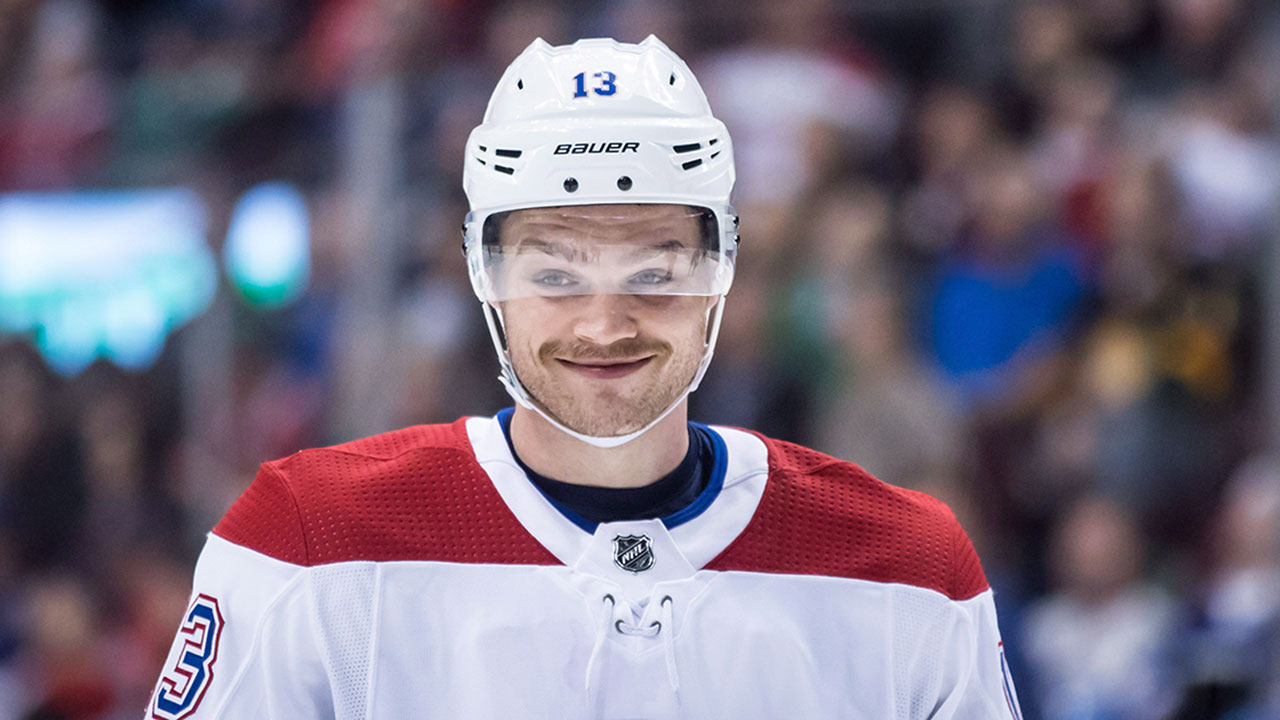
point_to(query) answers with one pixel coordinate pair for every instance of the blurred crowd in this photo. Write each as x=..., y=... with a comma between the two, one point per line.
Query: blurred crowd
x=1021, y=255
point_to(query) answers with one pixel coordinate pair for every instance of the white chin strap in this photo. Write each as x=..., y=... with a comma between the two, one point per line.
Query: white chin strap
x=518, y=392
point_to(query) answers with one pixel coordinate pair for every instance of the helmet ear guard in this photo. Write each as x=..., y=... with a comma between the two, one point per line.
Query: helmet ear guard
x=597, y=122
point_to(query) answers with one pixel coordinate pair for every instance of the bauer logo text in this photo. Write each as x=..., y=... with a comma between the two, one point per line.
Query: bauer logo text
x=597, y=148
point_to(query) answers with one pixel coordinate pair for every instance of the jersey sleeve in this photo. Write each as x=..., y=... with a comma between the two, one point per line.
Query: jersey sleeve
x=951, y=663
x=974, y=676
x=246, y=645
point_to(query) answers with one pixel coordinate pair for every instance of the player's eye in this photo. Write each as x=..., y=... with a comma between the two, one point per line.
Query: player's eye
x=651, y=278
x=554, y=280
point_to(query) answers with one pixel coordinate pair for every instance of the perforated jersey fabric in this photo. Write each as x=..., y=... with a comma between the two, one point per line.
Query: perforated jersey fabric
x=413, y=494
x=824, y=516
x=344, y=595
x=922, y=620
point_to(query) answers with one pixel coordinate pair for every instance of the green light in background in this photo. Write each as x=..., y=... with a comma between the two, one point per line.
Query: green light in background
x=268, y=249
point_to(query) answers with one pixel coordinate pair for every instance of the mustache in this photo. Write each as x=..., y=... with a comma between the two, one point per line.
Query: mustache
x=622, y=350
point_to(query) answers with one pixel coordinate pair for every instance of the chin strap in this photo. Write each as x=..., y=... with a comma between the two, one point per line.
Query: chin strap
x=518, y=392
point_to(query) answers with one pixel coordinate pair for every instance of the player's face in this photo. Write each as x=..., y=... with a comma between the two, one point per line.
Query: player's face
x=604, y=364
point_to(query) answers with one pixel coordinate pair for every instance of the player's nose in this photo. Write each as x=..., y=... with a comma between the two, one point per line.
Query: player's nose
x=605, y=319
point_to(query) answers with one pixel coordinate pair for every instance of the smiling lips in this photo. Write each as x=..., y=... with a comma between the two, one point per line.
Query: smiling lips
x=605, y=369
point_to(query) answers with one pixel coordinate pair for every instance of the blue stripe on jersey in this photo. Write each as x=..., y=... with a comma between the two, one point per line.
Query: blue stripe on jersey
x=705, y=444
x=714, y=485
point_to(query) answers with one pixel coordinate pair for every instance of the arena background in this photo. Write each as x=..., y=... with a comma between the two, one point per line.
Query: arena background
x=1021, y=255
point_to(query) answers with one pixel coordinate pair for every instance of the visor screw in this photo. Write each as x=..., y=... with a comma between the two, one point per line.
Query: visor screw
x=624, y=183
x=570, y=184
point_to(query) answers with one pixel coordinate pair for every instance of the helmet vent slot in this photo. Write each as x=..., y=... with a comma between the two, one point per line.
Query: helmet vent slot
x=671, y=80
x=689, y=147
x=520, y=84
x=713, y=155
x=713, y=141
x=504, y=169
x=691, y=164
x=480, y=160
x=507, y=153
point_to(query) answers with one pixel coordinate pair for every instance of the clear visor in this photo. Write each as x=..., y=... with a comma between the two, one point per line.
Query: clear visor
x=656, y=249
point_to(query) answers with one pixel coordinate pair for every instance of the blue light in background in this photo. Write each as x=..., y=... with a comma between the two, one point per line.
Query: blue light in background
x=103, y=274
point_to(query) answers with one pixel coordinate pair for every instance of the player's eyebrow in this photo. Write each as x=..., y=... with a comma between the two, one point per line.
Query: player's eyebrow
x=535, y=244
x=662, y=246
x=571, y=253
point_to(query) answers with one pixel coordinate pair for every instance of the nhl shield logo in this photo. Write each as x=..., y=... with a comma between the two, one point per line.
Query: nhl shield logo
x=633, y=553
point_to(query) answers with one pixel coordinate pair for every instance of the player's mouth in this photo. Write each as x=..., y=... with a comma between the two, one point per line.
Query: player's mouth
x=605, y=369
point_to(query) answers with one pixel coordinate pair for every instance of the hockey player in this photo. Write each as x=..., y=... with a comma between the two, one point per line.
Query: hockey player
x=589, y=553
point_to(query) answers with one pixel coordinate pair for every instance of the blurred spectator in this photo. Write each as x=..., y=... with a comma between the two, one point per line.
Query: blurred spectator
x=833, y=92
x=68, y=675
x=42, y=493
x=1226, y=167
x=185, y=93
x=1232, y=651
x=877, y=402
x=1096, y=643
x=1072, y=149
x=889, y=410
x=56, y=132
x=950, y=131
x=1010, y=288
x=1199, y=38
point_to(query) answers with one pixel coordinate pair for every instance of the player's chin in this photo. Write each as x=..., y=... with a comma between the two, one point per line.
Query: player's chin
x=613, y=426
x=608, y=414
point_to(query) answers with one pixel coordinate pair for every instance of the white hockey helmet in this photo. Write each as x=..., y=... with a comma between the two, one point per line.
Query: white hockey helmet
x=598, y=122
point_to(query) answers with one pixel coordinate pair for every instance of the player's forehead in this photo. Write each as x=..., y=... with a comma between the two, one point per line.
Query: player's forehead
x=607, y=223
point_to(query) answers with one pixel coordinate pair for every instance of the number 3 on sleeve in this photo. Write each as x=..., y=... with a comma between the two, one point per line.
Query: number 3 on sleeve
x=184, y=684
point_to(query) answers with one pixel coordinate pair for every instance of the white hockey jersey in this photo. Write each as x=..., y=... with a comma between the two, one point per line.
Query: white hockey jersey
x=419, y=574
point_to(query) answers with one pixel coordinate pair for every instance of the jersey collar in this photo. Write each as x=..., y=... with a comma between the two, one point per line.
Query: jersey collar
x=700, y=531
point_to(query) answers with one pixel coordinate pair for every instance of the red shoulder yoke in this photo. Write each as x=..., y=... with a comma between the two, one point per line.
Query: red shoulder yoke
x=823, y=516
x=412, y=494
